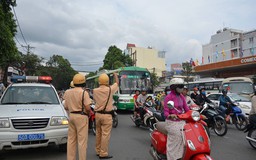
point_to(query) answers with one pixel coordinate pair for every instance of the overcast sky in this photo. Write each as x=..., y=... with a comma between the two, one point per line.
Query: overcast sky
x=82, y=30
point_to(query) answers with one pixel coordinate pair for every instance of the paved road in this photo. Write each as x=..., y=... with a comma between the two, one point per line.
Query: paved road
x=131, y=143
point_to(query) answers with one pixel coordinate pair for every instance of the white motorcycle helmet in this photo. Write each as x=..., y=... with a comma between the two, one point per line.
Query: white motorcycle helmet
x=177, y=84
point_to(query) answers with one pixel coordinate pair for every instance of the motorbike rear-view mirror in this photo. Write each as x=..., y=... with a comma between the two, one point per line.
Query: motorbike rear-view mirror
x=170, y=104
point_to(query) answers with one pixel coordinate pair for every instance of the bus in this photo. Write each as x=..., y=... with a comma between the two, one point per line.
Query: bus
x=130, y=79
x=240, y=85
x=211, y=85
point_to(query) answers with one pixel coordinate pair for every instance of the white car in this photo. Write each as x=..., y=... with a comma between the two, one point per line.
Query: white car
x=32, y=115
x=244, y=103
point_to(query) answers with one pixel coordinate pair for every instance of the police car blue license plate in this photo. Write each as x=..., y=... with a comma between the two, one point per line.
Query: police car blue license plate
x=30, y=137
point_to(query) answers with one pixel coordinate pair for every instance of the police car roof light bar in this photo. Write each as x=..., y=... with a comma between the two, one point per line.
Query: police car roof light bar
x=39, y=79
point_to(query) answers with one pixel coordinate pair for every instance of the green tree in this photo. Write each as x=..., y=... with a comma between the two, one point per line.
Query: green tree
x=115, y=59
x=32, y=63
x=91, y=74
x=61, y=71
x=8, y=51
x=154, y=79
x=187, y=71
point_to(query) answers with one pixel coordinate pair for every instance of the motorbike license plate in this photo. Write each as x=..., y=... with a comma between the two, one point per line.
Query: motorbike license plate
x=29, y=137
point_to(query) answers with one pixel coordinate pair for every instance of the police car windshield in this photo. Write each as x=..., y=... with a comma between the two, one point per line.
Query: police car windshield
x=30, y=95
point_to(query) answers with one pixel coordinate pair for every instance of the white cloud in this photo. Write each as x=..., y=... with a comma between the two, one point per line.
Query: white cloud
x=82, y=30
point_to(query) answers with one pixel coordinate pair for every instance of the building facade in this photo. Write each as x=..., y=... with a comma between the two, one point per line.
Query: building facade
x=149, y=58
x=230, y=53
x=226, y=44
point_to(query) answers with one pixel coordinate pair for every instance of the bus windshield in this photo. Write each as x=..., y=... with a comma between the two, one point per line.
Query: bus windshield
x=132, y=80
x=239, y=87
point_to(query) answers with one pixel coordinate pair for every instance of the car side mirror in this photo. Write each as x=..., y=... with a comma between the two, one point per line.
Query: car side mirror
x=170, y=104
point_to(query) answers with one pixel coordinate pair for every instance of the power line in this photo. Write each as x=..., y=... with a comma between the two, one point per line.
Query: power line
x=19, y=25
x=18, y=41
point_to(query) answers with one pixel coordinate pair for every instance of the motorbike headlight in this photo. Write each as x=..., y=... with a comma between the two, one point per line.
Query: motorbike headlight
x=244, y=106
x=195, y=116
x=58, y=121
x=4, y=123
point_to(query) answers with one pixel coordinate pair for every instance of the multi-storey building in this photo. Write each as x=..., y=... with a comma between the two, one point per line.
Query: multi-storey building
x=149, y=58
x=223, y=45
x=230, y=53
x=249, y=43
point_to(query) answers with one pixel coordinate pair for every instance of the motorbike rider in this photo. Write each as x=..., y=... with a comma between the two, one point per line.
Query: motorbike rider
x=252, y=115
x=77, y=103
x=167, y=91
x=225, y=105
x=103, y=97
x=136, y=107
x=175, y=144
x=194, y=94
x=141, y=100
x=201, y=98
x=189, y=100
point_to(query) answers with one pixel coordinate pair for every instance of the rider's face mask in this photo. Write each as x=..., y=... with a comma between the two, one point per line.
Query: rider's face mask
x=168, y=92
x=179, y=90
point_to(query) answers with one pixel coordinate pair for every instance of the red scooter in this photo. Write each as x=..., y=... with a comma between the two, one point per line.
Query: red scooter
x=195, y=138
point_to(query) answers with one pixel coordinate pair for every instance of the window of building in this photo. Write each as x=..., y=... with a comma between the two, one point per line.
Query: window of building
x=251, y=40
x=161, y=54
x=233, y=43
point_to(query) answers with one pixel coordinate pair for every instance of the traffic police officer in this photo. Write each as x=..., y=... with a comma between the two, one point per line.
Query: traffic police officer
x=103, y=97
x=77, y=103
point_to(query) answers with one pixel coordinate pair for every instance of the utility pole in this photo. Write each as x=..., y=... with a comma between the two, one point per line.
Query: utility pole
x=28, y=47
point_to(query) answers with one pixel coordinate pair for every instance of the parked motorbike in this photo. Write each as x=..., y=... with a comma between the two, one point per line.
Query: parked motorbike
x=214, y=119
x=237, y=117
x=251, y=136
x=196, y=140
x=147, y=120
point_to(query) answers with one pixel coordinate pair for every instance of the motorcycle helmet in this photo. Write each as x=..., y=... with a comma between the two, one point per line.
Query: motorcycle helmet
x=177, y=84
x=224, y=92
x=103, y=79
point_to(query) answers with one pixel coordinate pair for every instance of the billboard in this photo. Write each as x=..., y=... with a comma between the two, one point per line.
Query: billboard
x=176, y=68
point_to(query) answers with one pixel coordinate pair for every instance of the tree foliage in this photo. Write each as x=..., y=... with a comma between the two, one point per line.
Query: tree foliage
x=61, y=71
x=31, y=63
x=115, y=59
x=187, y=71
x=8, y=50
x=154, y=79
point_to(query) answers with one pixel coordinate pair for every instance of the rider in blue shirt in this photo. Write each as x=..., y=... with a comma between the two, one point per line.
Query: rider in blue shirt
x=225, y=104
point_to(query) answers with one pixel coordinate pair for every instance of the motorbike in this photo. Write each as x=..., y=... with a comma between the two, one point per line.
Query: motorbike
x=114, y=117
x=237, y=117
x=214, y=119
x=195, y=138
x=251, y=136
x=147, y=120
x=159, y=116
x=92, y=122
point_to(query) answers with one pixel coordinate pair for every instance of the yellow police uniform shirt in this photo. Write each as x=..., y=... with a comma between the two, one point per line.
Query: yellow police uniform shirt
x=100, y=96
x=73, y=99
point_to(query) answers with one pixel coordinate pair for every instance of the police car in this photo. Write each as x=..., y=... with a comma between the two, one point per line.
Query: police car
x=32, y=115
